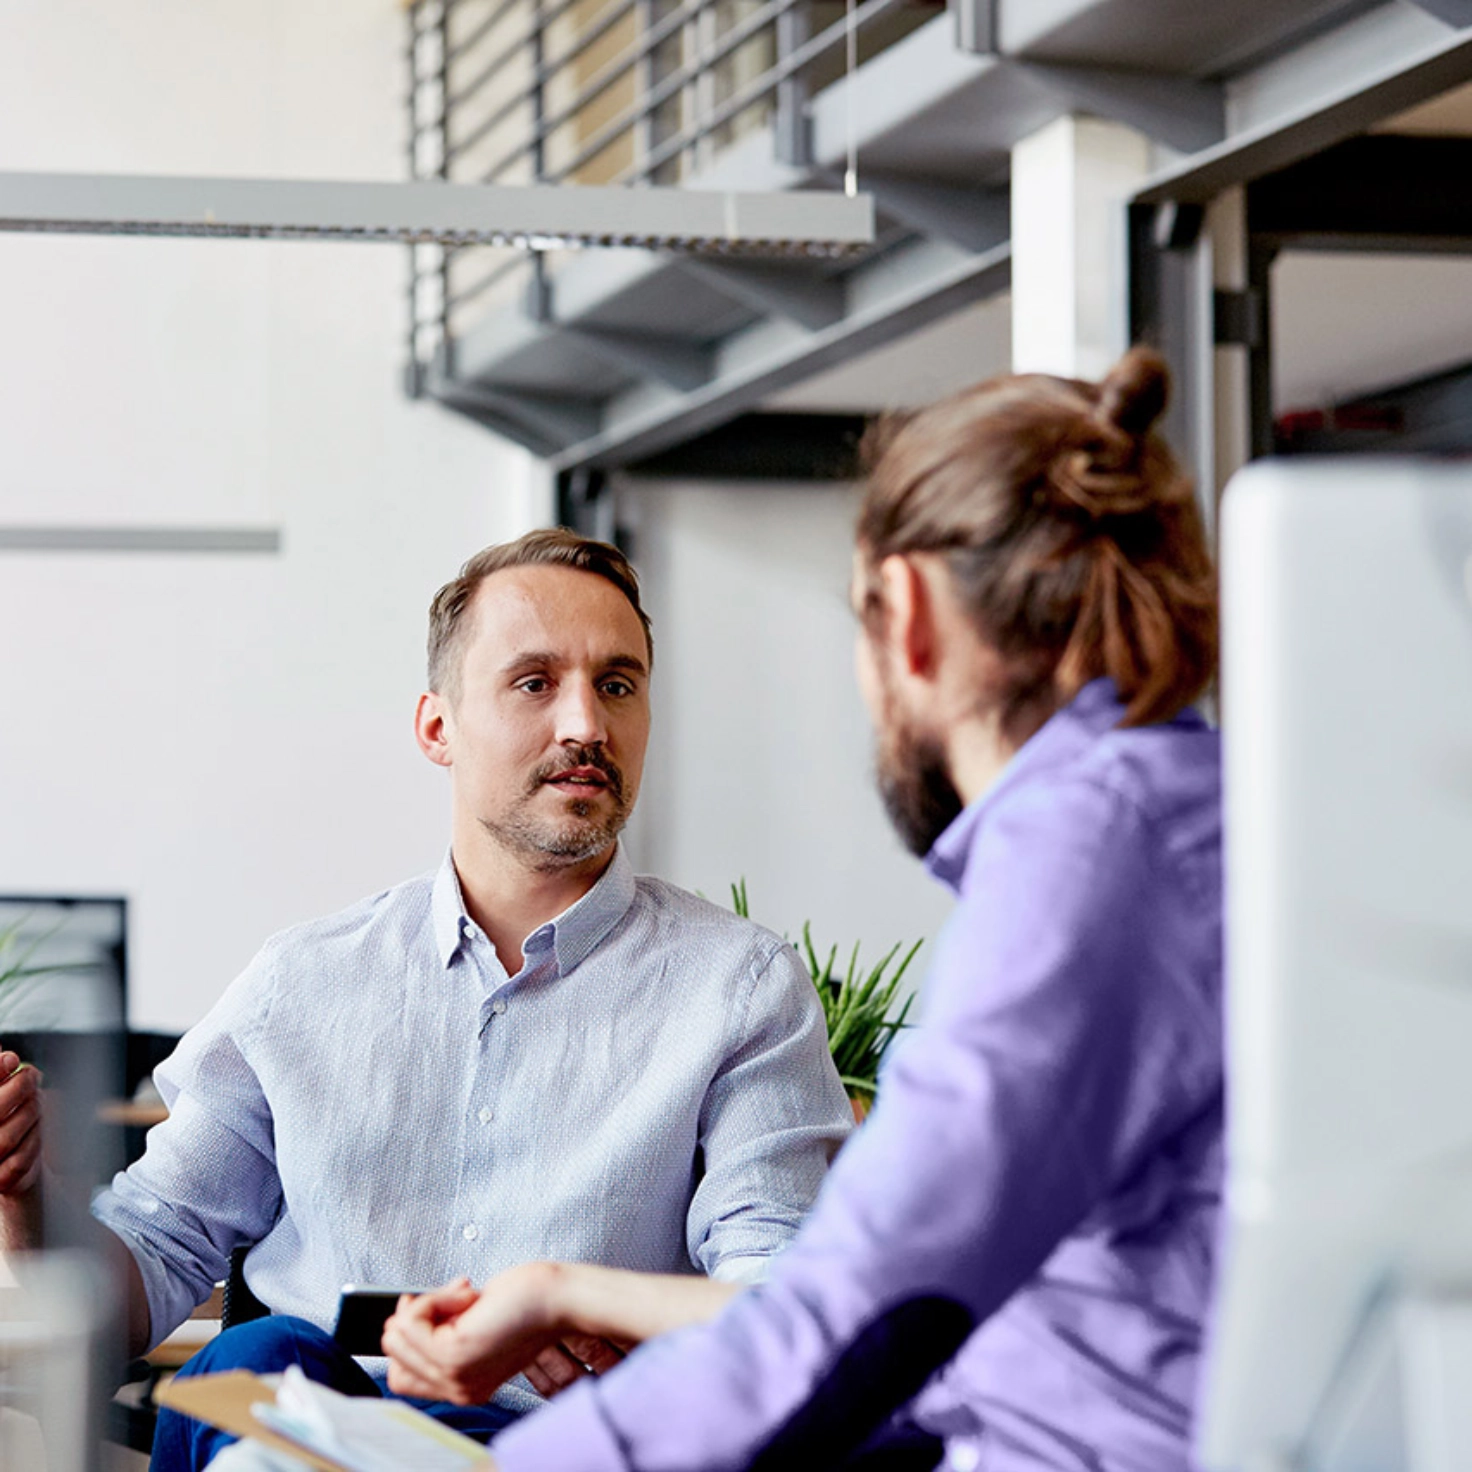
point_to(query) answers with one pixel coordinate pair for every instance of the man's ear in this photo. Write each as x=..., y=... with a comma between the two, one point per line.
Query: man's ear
x=431, y=728
x=909, y=627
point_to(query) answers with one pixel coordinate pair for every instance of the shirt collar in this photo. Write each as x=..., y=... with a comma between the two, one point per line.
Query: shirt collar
x=574, y=934
x=1093, y=711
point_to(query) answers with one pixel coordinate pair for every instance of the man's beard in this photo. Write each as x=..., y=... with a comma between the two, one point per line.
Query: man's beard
x=917, y=792
x=578, y=834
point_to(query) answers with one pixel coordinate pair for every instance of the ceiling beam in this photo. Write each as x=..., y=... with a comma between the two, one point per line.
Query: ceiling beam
x=764, y=447
x=1383, y=191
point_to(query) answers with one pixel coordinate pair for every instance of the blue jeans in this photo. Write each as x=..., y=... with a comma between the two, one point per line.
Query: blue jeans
x=267, y=1346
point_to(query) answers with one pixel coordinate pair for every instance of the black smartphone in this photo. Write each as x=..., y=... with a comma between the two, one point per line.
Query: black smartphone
x=362, y=1311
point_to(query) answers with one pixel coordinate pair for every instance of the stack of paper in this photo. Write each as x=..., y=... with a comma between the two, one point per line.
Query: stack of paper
x=340, y=1433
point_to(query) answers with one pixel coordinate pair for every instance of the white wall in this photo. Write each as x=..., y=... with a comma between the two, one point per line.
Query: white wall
x=224, y=739
x=1349, y=323
x=761, y=759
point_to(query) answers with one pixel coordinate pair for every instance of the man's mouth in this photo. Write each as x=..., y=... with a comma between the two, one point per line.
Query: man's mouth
x=578, y=777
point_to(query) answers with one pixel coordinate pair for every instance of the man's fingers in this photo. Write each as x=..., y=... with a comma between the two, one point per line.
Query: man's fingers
x=599, y=1355
x=559, y=1367
x=18, y=1128
x=440, y=1304
x=19, y=1089
x=403, y=1381
x=540, y=1382
x=411, y=1359
x=20, y=1160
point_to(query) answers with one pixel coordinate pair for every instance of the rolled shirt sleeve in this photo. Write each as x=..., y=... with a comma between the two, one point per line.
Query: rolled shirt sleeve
x=207, y=1180
x=772, y=1120
x=1061, y=1046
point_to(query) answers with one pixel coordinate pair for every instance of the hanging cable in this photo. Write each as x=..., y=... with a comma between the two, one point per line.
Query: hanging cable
x=851, y=60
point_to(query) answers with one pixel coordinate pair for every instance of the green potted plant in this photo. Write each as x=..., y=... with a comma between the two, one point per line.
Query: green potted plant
x=858, y=1007
x=19, y=975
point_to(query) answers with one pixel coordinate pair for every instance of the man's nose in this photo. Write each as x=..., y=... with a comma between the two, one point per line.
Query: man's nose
x=580, y=715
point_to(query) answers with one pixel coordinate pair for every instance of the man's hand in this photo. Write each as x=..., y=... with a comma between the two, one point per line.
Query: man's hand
x=459, y=1345
x=574, y=1357
x=20, y=1126
x=554, y=1321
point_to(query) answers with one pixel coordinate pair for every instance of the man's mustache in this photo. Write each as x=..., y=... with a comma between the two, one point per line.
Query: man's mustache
x=581, y=756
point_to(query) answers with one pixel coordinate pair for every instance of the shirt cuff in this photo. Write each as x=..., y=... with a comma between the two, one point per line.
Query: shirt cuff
x=746, y=1270
x=570, y=1435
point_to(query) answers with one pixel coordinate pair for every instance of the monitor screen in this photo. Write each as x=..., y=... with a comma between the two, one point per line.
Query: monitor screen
x=1347, y=729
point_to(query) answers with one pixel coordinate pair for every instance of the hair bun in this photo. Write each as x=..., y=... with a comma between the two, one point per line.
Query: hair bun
x=1133, y=393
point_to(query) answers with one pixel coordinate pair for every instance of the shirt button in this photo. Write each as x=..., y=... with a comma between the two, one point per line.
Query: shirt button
x=498, y=1006
x=471, y=1232
x=485, y=1115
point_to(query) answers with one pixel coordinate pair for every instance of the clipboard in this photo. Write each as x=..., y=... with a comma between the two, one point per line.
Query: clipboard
x=227, y=1401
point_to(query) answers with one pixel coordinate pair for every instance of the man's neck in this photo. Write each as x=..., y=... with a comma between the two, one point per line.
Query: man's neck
x=508, y=897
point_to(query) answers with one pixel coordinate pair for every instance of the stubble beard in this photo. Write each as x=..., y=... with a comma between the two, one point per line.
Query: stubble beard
x=579, y=833
x=914, y=785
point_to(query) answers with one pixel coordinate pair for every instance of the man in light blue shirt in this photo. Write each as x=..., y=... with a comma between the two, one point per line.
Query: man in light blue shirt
x=528, y=1054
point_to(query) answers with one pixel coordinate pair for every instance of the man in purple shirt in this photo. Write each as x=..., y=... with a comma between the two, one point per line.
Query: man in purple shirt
x=1010, y=1263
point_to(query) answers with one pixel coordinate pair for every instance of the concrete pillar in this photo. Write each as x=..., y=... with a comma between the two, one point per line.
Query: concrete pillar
x=1071, y=181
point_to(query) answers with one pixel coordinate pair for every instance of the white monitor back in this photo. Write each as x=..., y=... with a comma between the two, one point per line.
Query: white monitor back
x=1347, y=725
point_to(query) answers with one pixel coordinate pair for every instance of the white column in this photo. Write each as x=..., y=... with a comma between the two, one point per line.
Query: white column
x=1071, y=181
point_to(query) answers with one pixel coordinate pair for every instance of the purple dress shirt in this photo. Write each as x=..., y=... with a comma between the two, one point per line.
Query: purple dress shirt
x=1017, y=1246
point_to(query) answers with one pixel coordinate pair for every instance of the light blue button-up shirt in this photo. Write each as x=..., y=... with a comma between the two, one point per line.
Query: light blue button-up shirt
x=375, y=1100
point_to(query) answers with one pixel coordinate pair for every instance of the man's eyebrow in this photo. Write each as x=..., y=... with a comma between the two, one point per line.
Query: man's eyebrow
x=533, y=659
x=542, y=659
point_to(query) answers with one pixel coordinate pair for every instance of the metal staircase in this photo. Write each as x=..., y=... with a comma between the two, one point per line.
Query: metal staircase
x=600, y=360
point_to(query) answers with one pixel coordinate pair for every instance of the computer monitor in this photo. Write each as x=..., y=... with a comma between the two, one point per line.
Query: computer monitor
x=63, y=1007
x=1347, y=727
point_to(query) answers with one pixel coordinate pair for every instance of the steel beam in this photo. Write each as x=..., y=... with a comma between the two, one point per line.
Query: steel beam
x=913, y=287
x=783, y=447
x=544, y=423
x=1360, y=95
x=974, y=219
x=1453, y=12
x=675, y=361
x=814, y=302
x=1185, y=114
x=976, y=25
x=1380, y=192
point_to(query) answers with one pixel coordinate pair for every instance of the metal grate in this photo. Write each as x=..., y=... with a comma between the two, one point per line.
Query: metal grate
x=610, y=92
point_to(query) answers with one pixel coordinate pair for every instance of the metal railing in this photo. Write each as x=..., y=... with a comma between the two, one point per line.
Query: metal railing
x=604, y=92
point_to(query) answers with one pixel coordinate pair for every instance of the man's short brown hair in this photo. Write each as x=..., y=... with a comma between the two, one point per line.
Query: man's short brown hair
x=550, y=547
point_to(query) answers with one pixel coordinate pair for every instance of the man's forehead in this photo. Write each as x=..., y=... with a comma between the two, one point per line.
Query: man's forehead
x=530, y=602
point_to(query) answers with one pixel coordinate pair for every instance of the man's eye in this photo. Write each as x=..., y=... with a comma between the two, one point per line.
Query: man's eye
x=535, y=685
x=617, y=688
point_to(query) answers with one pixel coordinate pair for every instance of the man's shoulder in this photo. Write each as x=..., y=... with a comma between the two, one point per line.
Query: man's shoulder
x=683, y=916
x=386, y=915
